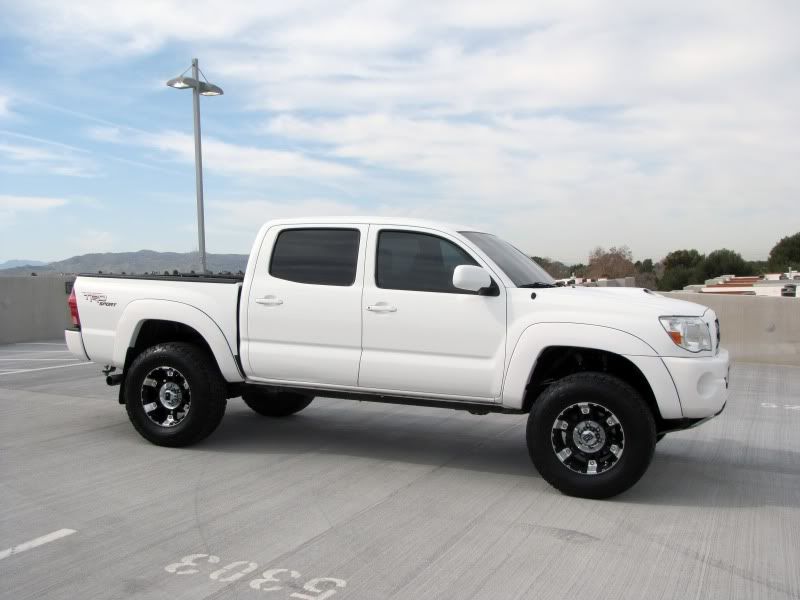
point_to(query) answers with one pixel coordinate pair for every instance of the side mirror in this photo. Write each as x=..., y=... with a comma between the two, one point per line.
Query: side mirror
x=470, y=277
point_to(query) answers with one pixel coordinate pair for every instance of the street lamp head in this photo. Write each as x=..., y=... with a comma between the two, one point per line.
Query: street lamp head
x=209, y=89
x=205, y=88
x=182, y=83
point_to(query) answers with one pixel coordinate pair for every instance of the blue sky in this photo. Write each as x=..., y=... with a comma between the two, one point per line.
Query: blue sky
x=559, y=125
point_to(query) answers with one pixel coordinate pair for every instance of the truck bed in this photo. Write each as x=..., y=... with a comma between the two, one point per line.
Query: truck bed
x=113, y=307
x=183, y=277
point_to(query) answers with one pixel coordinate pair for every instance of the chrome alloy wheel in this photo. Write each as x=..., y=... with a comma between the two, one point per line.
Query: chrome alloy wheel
x=166, y=396
x=587, y=438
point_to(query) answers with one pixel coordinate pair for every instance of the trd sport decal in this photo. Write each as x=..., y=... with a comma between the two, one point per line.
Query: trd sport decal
x=101, y=299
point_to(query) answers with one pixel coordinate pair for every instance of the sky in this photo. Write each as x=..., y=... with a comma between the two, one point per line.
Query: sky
x=558, y=125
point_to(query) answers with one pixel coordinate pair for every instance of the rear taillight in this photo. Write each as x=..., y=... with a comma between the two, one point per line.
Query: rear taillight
x=73, y=309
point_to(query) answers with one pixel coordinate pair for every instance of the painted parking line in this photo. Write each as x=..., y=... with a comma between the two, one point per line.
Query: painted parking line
x=35, y=359
x=9, y=351
x=783, y=406
x=80, y=364
x=40, y=541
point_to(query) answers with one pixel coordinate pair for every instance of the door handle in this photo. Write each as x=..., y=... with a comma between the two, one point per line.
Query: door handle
x=269, y=301
x=381, y=307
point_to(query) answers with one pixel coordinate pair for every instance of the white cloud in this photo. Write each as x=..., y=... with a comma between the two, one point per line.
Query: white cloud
x=561, y=124
x=5, y=102
x=224, y=157
x=11, y=206
x=43, y=157
x=232, y=223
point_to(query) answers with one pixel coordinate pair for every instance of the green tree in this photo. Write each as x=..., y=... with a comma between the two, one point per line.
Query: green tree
x=786, y=253
x=681, y=267
x=682, y=258
x=556, y=268
x=578, y=269
x=722, y=262
x=757, y=267
x=676, y=278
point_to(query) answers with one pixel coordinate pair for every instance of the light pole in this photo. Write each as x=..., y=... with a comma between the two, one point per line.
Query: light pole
x=199, y=88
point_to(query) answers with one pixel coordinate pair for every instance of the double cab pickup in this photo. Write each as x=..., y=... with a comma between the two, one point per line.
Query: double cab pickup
x=409, y=312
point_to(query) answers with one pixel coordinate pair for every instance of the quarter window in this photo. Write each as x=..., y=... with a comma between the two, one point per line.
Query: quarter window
x=417, y=261
x=316, y=256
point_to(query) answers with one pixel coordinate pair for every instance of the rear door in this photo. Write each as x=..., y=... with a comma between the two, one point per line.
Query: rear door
x=421, y=334
x=304, y=305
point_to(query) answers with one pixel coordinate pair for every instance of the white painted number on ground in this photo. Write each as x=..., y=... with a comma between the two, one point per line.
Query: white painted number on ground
x=188, y=561
x=269, y=577
x=312, y=586
x=784, y=406
x=271, y=580
x=251, y=566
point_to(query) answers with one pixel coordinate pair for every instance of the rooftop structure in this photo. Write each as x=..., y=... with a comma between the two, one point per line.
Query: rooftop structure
x=771, y=284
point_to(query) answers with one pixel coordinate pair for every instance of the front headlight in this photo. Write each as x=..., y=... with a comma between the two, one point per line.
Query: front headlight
x=690, y=333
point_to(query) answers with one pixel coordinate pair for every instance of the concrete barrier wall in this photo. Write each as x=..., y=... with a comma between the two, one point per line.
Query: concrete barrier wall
x=754, y=328
x=757, y=329
x=33, y=308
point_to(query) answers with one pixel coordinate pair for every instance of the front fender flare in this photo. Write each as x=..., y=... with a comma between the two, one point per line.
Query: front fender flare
x=539, y=336
x=139, y=311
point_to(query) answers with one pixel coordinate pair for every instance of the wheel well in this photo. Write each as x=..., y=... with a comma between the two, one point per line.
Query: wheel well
x=154, y=331
x=556, y=362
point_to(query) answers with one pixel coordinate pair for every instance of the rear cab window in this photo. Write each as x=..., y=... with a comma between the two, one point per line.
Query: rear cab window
x=316, y=256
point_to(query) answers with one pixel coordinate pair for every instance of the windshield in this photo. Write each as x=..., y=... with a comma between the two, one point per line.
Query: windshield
x=521, y=269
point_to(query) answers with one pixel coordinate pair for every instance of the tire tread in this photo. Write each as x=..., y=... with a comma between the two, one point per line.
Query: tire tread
x=213, y=388
x=557, y=475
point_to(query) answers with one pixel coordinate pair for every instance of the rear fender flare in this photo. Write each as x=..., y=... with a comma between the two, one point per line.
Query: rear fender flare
x=139, y=311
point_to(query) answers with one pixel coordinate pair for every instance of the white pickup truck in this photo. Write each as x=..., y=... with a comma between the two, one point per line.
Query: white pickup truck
x=409, y=312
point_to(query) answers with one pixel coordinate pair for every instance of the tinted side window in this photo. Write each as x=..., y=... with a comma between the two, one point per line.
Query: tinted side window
x=317, y=256
x=418, y=261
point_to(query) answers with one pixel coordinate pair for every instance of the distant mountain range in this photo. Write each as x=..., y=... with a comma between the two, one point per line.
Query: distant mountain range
x=10, y=264
x=143, y=261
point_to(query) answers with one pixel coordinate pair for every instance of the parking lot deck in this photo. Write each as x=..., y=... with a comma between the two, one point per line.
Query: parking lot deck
x=374, y=501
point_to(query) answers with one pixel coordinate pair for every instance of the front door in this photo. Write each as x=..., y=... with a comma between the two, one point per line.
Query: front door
x=303, y=306
x=421, y=334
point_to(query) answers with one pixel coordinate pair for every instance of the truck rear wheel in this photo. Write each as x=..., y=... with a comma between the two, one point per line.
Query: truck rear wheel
x=275, y=404
x=591, y=435
x=174, y=394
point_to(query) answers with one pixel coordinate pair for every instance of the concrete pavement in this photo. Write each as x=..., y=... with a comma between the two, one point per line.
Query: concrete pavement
x=372, y=501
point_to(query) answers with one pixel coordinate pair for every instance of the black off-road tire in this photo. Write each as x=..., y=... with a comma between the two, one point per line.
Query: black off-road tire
x=205, y=385
x=275, y=404
x=633, y=415
x=660, y=437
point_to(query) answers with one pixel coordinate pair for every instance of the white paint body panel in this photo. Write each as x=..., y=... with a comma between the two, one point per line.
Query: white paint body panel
x=308, y=333
x=436, y=343
x=459, y=347
x=75, y=344
x=702, y=383
x=107, y=330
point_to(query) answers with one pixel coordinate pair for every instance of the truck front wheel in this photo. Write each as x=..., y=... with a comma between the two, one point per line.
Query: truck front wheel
x=174, y=394
x=591, y=435
x=274, y=404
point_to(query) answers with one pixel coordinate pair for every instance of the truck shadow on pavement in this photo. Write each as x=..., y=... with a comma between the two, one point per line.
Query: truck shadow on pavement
x=691, y=471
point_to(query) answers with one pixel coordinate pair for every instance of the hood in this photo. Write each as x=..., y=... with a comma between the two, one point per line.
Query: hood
x=635, y=311
x=616, y=300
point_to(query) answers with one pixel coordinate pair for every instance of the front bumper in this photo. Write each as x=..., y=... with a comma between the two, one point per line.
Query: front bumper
x=702, y=383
